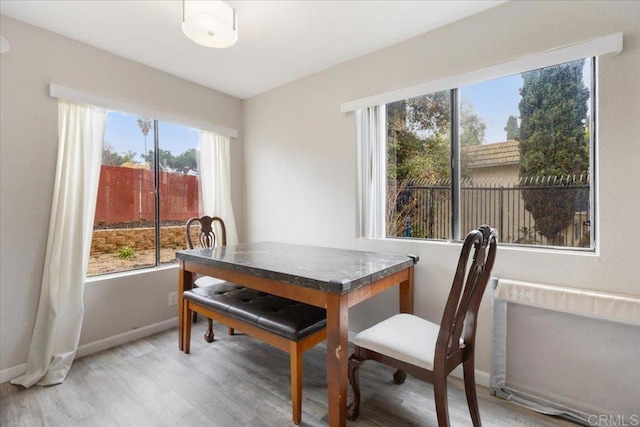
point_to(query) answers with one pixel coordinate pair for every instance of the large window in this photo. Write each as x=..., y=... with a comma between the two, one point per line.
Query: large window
x=514, y=152
x=148, y=189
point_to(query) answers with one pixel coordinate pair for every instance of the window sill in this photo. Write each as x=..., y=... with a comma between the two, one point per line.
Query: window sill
x=509, y=247
x=111, y=276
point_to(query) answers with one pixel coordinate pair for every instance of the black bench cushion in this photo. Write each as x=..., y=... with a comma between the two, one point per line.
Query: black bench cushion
x=281, y=316
x=219, y=297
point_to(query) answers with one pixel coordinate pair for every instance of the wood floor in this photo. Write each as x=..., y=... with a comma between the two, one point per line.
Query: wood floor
x=234, y=381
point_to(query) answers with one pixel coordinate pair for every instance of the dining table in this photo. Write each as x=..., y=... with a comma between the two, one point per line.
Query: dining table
x=331, y=278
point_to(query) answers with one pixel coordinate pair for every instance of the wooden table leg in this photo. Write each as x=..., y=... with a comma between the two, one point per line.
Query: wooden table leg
x=406, y=294
x=185, y=282
x=337, y=357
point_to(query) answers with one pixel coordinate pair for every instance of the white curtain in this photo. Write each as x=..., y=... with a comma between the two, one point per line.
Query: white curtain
x=371, y=171
x=215, y=180
x=60, y=310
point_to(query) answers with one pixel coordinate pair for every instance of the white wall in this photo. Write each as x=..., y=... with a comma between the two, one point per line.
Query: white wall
x=299, y=157
x=300, y=152
x=28, y=150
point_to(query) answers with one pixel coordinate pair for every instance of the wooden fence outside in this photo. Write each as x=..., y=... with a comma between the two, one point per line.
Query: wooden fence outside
x=127, y=195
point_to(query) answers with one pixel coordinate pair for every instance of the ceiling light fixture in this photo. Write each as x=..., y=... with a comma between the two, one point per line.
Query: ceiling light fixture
x=210, y=23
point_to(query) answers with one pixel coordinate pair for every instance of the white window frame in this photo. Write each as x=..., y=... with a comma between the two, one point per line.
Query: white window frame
x=110, y=104
x=370, y=174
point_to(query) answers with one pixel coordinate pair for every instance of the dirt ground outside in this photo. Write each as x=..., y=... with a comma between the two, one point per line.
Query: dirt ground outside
x=111, y=263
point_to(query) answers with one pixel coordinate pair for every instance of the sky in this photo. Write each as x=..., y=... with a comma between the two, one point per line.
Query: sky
x=122, y=133
x=495, y=100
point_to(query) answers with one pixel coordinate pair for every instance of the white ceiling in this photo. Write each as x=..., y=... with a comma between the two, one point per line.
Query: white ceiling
x=279, y=41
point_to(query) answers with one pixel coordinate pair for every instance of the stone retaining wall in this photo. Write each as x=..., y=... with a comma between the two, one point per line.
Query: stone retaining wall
x=112, y=240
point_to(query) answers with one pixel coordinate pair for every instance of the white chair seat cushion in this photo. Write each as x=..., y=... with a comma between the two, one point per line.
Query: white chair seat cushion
x=204, y=281
x=403, y=337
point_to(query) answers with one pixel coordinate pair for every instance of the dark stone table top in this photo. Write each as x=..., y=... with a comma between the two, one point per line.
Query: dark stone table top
x=327, y=269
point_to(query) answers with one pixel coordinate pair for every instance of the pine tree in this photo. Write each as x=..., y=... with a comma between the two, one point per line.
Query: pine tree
x=512, y=129
x=553, y=142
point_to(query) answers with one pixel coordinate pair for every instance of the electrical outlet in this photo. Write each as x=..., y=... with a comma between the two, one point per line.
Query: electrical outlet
x=173, y=299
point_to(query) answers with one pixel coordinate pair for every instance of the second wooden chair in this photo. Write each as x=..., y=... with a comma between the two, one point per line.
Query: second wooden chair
x=429, y=351
x=211, y=233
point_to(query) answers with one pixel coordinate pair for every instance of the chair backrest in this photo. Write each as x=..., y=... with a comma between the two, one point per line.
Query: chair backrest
x=458, y=327
x=207, y=235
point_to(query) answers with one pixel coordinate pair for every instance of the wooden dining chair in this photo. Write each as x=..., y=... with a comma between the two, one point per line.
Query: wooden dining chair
x=207, y=238
x=428, y=351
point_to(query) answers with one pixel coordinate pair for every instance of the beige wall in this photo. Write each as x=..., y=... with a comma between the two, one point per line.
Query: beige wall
x=28, y=147
x=507, y=174
x=299, y=157
x=300, y=152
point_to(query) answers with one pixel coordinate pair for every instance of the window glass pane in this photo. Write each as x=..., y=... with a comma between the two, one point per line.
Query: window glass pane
x=418, y=167
x=179, y=201
x=525, y=156
x=124, y=233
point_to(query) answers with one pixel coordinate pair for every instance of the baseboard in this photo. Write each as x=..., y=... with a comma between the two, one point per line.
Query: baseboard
x=93, y=347
x=13, y=372
x=132, y=335
x=482, y=378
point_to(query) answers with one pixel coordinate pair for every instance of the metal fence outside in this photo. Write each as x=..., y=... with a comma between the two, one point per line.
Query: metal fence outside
x=423, y=209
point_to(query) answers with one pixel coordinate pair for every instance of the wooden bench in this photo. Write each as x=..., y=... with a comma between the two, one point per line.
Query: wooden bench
x=289, y=325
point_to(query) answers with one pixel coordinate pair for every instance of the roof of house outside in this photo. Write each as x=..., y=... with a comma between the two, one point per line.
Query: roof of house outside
x=490, y=155
x=134, y=165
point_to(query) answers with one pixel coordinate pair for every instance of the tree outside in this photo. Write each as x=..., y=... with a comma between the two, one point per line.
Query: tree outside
x=419, y=153
x=527, y=190
x=418, y=148
x=183, y=162
x=553, y=143
x=418, y=145
x=472, y=128
x=145, y=126
x=512, y=129
x=111, y=158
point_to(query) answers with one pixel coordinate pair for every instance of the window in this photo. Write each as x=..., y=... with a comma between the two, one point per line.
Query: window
x=514, y=152
x=148, y=188
x=419, y=166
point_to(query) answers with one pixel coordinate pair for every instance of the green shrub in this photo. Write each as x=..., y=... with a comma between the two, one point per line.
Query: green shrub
x=127, y=252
